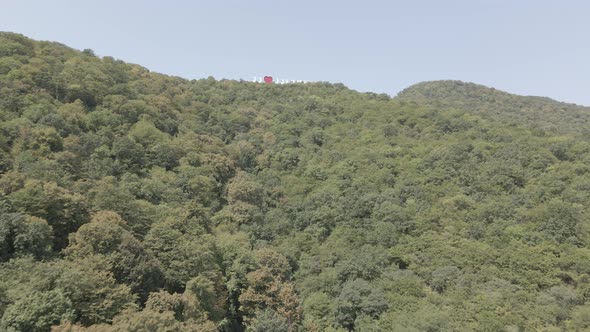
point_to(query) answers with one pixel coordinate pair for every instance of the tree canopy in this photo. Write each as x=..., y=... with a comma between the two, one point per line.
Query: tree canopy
x=136, y=201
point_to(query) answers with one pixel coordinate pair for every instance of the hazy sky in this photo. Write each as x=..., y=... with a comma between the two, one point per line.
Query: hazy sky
x=522, y=46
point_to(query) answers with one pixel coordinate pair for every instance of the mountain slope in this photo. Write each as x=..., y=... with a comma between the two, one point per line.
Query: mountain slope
x=131, y=200
x=540, y=113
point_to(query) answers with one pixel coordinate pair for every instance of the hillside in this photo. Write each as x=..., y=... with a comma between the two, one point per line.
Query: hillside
x=136, y=201
x=538, y=113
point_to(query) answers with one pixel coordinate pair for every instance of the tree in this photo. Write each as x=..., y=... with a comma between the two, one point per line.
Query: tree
x=184, y=253
x=211, y=294
x=444, y=277
x=38, y=311
x=35, y=237
x=24, y=235
x=269, y=288
x=64, y=210
x=145, y=133
x=110, y=195
x=356, y=298
x=93, y=291
x=130, y=262
x=243, y=188
x=580, y=319
x=560, y=221
x=268, y=320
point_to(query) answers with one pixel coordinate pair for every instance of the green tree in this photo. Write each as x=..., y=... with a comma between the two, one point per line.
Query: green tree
x=356, y=298
x=131, y=264
x=64, y=210
x=38, y=311
x=184, y=253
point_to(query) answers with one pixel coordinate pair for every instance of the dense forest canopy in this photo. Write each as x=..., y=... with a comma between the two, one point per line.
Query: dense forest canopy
x=135, y=201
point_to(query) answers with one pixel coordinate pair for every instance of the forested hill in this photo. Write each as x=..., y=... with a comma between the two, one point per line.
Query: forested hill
x=135, y=201
x=538, y=113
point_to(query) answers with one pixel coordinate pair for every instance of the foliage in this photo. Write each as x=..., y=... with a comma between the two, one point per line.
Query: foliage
x=135, y=201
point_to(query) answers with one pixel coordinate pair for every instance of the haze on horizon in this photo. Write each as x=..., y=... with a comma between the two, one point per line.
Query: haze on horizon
x=530, y=47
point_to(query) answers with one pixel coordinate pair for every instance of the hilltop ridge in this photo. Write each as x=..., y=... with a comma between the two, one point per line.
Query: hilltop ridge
x=541, y=113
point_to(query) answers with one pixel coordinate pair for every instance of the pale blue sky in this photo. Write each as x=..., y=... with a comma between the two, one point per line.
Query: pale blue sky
x=526, y=47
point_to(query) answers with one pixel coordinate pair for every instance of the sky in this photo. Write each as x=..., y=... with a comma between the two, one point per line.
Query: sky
x=525, y=47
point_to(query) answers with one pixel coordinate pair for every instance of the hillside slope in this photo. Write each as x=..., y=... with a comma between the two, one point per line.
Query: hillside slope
x=132, y=201
x=539, y=113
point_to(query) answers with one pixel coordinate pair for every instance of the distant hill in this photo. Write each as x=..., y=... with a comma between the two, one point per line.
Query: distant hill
x=137, y=201
x=540, y=113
